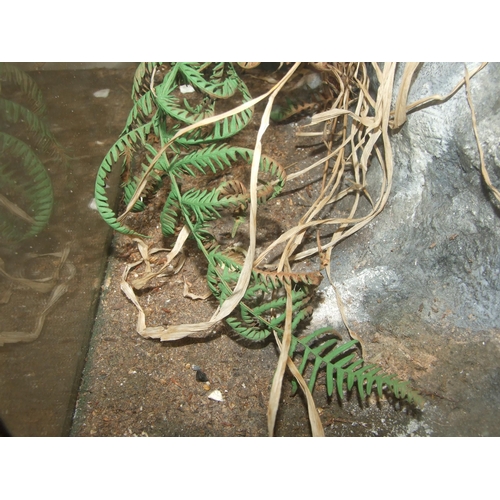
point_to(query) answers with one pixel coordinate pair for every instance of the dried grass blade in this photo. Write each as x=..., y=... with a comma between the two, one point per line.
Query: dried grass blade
x=314, y=419
x=145, y=252
x=275, y=393
x=484, y=172
x=130, y=294
x=142, y=282
x=283, y=361
x=42, y=285
x=367, y=121
x=434, y=99
x=404, y=89
x=129, y=291
x=193, y=296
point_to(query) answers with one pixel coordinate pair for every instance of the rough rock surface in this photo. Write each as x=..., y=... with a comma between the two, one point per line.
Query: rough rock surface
x=421, y=284
x=434, y=249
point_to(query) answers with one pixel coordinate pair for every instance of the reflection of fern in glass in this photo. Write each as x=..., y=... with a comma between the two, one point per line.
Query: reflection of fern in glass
x=25, y=188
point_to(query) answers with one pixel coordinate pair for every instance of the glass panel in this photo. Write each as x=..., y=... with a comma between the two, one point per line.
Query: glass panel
x=53, y=243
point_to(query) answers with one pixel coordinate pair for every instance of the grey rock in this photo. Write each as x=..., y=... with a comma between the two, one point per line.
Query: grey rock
x=434, y=250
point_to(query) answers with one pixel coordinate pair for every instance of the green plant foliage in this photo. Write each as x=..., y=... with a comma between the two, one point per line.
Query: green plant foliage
x=344, y=366
x=159, y=110
x=160, y=114
x=262, y=309
x=26, y=195
x=205, y=205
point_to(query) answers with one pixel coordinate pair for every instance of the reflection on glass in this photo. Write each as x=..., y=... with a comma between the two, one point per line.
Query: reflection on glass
x=54, y=130
x=26, y=196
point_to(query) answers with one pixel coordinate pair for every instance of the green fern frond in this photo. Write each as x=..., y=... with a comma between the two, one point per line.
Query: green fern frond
x=262, y=311
x=141, y=112
x=142, y=77
x=204, y=235
x=263, y=307
x=295, y=106
x=222, y=156
x=222, y=83
x=224, y=129
x=291, y=108
x=344, y=367
x=211, y=157
x=257, y=324
x=106, y=212
x=129, y=140
x=205, y=205
x=182, y=111
x=169, y=215
x=129, y=191
x=195, y=109
x=154, y=181
x=274, y=187
x=164, y=97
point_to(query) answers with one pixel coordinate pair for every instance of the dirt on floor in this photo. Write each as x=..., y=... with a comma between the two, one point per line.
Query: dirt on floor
x=138, y=387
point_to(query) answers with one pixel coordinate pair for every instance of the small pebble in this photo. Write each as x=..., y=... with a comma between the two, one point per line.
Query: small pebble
x=201, y=377
x=216, y=395
x=186, y=89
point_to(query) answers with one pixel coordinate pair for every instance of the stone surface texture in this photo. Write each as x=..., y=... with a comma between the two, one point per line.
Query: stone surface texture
x=434, y=249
